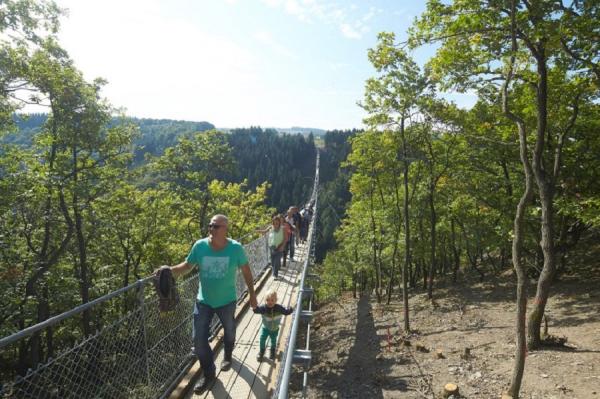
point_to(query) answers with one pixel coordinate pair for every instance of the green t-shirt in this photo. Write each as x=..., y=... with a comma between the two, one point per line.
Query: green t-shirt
x=275, y=237
x=217, y=271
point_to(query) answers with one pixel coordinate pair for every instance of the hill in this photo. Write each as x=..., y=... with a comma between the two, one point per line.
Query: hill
x=155, y=134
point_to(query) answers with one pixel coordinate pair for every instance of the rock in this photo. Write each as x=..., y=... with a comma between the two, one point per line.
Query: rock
x=475, y=376
x=421, y=348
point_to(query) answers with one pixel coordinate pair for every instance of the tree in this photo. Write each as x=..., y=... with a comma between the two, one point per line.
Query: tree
x=189, y=168
x=391, y=100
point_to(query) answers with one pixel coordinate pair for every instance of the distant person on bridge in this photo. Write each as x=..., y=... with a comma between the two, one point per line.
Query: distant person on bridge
x=218, y=259
x=271, y=313
x=291, y=218
x=288, y=230
x=304, y=223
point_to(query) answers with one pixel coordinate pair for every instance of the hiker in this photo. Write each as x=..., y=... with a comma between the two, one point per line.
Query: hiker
x=276, y=244
x=297, y=222
x=291, y=219
x=304, y=223
x=218, y=258
x=287, y=237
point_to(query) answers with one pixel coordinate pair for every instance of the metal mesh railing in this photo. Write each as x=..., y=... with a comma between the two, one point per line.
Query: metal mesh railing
x=138, y=355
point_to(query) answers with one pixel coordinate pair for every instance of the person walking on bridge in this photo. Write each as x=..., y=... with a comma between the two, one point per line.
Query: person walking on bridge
x=276, y=243
x=218, y=258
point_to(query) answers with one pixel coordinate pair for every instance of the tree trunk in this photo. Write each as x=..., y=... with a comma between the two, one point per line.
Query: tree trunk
x=545, y=185
x=406, y=232
x=455, y=251
x=433, y=222
x=84, y=285
x=374, y=245
x=517, y=244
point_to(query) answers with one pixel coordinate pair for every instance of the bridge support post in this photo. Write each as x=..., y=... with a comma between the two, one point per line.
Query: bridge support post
x=302, y=358
x=307, y=293
x=306, y=316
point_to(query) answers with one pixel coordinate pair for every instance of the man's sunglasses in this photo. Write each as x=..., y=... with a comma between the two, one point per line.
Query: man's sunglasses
x=214, y=226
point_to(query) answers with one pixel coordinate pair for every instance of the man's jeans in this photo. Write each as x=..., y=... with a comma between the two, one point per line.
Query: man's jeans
x=203, y=315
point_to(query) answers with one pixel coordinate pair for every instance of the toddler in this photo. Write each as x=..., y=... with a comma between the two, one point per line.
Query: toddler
x=271, y=313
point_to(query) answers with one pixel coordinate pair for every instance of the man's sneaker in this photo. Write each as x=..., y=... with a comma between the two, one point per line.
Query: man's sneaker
x=204, y=383
x=225, y=365
x=272, y=355
x=259, y=357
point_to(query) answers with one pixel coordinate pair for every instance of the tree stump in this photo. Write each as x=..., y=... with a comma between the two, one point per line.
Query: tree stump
x=450, y=389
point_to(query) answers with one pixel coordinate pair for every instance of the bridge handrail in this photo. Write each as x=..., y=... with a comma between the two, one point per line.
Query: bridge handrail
x=70, y=313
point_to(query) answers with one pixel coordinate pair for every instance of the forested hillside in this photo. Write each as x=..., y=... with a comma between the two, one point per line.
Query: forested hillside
x=154, y=134
x=286, y=161
x=335, y=190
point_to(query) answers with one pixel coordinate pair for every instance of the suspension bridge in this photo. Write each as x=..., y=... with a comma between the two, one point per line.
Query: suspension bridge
x=148, y=354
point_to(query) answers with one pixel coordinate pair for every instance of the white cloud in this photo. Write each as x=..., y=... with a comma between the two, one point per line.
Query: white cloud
x=292, y=7
x=267, y=39
x=349, y=31
x=346, y=18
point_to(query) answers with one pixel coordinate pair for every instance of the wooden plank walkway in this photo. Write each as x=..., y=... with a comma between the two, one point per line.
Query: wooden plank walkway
x=248, y=378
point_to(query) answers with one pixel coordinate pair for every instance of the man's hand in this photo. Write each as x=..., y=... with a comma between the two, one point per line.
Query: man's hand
x=181, y=268
x=253, y=301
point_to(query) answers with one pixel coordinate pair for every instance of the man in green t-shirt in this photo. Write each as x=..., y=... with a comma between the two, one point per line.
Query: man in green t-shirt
x=218, y=258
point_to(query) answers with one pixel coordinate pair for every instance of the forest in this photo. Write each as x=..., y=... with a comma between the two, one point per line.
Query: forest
x=428, y=195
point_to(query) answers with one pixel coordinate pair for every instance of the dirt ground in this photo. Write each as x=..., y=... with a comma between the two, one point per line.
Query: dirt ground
x=358, y=351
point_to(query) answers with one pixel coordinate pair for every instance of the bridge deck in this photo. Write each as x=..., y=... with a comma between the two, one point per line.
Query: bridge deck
x=248, y=378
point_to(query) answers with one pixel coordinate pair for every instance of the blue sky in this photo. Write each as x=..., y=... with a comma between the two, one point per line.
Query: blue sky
x=234, y=63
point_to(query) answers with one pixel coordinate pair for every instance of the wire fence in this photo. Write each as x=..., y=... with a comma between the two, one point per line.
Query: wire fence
x=138, y=355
